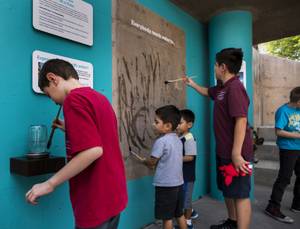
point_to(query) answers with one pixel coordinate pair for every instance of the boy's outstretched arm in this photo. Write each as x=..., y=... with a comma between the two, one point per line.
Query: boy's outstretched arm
x=151, y=162
x=81, y=161
x=202, y=90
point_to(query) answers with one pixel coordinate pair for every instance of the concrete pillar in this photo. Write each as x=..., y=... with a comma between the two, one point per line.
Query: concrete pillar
x=229, y=29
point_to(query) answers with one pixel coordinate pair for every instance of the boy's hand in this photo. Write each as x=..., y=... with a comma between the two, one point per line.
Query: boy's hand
x=240, y=164
x=189, y=81
x=57, y=123
x=38, y=190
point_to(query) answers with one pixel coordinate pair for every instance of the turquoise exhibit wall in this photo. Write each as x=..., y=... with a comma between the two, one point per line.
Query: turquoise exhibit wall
x=141, y=192
x=229, y=29
x=21, y=107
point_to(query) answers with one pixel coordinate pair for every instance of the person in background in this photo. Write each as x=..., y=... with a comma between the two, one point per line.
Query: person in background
x=189, y=161
x=287, y=129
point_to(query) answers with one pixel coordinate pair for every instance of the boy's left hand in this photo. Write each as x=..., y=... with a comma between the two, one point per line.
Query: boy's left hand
x=38, y=190
x=240, y=164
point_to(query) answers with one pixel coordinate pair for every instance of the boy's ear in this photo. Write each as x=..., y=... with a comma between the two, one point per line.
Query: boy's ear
x=168, y=126
x=190, y=125
x=223, y=67
x=52, y=78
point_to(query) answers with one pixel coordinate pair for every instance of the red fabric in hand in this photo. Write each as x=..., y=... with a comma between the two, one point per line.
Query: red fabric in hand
x=228, y=171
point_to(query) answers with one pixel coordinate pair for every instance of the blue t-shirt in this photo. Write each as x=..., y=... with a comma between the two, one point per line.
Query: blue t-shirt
x=288, y=118
x=168, y=149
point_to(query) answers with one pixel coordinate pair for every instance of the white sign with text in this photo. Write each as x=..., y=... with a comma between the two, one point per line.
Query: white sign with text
x=70, y=19
x=84, y=69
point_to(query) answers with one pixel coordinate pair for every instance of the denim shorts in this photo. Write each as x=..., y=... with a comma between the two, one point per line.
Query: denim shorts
x=188, y=194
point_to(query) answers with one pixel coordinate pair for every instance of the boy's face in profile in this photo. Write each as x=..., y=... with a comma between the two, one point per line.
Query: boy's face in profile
x=160, y=127
x=55, y=90
x=219, y=70
x=184, y=126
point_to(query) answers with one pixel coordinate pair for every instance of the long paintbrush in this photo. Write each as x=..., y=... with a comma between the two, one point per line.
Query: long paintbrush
x=179, y=79
x=136, y=155
x=53, y=129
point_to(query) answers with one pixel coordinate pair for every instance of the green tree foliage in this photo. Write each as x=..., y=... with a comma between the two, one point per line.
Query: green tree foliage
x=287, y=47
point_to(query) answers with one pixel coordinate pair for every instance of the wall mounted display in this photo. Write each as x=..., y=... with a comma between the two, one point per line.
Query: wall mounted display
x=147, y=51
x=70, y=19
x=84, y=69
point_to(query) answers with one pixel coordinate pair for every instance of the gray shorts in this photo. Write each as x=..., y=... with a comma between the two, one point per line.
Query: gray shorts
x=188, y=194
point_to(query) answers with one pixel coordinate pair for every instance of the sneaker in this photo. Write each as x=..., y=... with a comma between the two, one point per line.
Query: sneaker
x=225, y=224
x=294, y=209
x=275, y=213
x=194, y=214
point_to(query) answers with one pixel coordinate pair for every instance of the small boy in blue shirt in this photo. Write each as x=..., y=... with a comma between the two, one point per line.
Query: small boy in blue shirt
x=189, y=160
x=166, y=158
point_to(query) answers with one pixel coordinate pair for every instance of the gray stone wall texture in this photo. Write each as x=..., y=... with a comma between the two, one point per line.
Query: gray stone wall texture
x=147, y=51
x=274, y=78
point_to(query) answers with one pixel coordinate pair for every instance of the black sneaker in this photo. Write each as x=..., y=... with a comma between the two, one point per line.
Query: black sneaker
x=275, y=213
x=225, y=224
x=194, y=214
x=294, y=209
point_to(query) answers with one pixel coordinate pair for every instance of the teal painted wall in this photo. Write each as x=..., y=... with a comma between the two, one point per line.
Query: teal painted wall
x=229, y=29
x=140, y=210
x=21, y=107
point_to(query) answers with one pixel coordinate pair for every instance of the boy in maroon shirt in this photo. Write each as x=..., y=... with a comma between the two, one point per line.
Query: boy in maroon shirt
x=95, y=168
x=233, y=136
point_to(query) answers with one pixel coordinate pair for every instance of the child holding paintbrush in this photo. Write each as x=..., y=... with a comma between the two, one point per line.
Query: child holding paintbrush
x=166, y=158
x=93, y=151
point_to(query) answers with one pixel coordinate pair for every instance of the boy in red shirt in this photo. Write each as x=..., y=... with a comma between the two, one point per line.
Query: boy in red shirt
x=95, y=168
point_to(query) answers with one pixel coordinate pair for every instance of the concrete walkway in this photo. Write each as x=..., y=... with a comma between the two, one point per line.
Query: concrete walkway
x=211, y=211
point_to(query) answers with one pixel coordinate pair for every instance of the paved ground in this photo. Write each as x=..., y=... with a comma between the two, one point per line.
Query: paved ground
x=211, y=211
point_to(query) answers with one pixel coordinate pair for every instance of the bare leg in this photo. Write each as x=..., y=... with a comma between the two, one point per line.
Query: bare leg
x=167, y=224
x=231, y=208
x=188, y=213
x=181, y=222
x=243, y=210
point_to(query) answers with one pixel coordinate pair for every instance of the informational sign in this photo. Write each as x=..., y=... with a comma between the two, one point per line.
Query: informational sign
x=70, y=19
x=84, y=69
x=242, y=74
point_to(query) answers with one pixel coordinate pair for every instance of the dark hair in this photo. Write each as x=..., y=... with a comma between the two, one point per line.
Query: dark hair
x=58, y=67
x=188, y=115
x=232, y=58
x=295, y=95
x=169, y=114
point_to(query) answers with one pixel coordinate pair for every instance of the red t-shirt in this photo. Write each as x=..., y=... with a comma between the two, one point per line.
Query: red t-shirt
x=98, y=192
x=230, y=102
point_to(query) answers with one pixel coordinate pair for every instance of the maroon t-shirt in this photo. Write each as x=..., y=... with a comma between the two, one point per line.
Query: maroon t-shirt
x=230, y=102
x=98, y=192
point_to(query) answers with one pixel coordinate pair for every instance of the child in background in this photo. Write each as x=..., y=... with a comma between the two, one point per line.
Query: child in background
x=287, y=125
x=189, y=161
x=166, y=156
